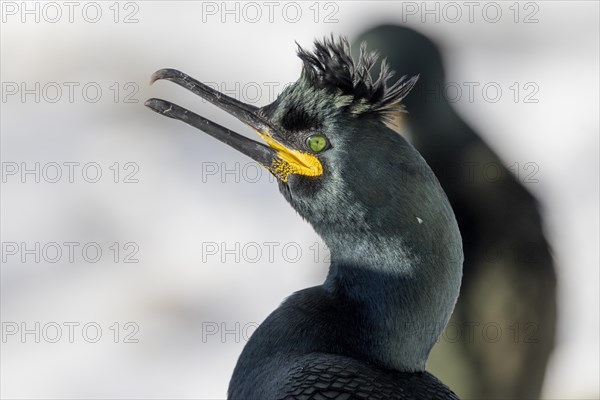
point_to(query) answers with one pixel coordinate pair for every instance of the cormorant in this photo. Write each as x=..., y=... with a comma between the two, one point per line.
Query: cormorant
x=396, y=251
x=509, y=277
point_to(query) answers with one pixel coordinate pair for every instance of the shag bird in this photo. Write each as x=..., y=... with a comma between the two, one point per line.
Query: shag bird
x=396, y=251
x=509, y=277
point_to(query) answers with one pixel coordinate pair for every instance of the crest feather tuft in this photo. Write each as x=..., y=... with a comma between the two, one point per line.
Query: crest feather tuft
x=330, y=67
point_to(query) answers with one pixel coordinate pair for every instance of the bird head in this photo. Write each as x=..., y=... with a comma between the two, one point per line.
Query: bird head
x=327, y=143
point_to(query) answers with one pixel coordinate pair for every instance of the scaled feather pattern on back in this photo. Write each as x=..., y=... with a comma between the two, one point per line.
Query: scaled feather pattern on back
x=335, y=377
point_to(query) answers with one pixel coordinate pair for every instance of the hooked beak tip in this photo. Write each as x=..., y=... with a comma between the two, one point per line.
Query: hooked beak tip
x=166, y=73
x=155, y=76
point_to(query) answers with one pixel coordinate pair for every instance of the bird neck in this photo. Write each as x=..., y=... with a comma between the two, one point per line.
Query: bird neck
x=404, y=296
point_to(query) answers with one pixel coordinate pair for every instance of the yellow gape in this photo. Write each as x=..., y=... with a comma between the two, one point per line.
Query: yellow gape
x=291, y=161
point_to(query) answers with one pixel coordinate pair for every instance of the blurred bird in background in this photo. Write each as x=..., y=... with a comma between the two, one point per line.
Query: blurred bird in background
x=509, y=278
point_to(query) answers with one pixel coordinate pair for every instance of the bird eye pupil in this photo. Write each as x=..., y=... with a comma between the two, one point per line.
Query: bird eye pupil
x=317, y=143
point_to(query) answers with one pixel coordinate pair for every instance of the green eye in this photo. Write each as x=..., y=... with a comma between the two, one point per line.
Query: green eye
x=317, y=143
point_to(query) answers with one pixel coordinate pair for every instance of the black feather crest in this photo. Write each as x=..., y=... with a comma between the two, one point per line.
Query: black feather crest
x=330, y=67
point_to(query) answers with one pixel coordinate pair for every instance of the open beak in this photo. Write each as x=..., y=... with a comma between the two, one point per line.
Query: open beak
x=280, y=160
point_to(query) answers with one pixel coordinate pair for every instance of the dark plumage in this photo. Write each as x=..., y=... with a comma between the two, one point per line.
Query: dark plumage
x=509, y=277
x=325, y=376
x=396, y=251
